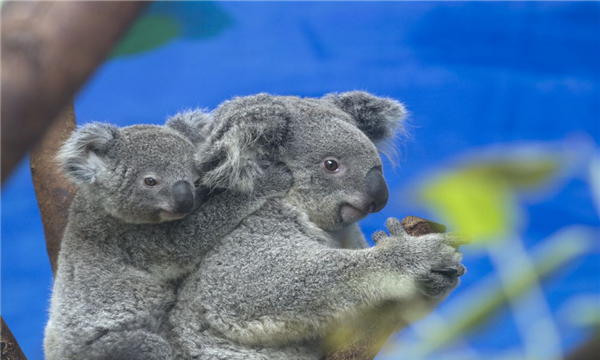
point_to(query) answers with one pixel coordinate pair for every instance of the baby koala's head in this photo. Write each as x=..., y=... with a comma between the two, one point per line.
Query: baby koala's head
x=140, y=174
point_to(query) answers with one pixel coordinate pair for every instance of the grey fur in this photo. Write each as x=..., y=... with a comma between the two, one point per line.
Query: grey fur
x=121, y=259
x=275, y=286
x=375, y=116
x=194, y=124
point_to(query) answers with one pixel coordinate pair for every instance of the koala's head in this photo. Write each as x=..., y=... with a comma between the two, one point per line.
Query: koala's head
x=329, y=145
x=139, y=174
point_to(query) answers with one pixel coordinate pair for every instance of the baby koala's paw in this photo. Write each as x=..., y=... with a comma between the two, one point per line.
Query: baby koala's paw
x=433, y=259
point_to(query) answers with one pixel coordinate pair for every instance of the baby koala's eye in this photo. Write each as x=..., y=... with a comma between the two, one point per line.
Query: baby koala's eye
x=197, y=183
x=150, y=181
x=331, y=165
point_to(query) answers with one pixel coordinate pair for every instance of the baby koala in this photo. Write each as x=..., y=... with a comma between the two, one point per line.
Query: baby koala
x=137, y=226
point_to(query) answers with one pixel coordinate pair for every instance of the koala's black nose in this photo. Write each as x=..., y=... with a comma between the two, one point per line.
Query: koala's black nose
x=183, y=197
x=377, y=189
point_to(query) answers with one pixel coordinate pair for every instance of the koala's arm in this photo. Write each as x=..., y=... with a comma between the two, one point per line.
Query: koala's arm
x=350, y=237
x=103, y=309
x=223, y=212
x=272, y=290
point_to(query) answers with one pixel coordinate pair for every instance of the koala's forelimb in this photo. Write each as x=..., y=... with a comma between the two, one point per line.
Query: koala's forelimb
x=302, y=286
x=363, y=339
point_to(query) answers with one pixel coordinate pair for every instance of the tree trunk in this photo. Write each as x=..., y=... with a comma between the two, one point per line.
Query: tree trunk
x=49, y=49
x=10, y=349
x=53, y=190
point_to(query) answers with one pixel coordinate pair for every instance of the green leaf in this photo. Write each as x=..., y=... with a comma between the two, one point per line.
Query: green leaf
x=519, y=174
x=477, y=206
x=149, y=32
x=479, y=200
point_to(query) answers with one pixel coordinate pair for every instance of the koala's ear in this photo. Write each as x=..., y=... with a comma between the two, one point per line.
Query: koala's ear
x=246, y=137
x=378, y=117
x=83, y=155
x=194, y=125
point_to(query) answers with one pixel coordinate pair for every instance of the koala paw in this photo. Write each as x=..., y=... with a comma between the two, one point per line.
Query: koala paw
x=433, y=259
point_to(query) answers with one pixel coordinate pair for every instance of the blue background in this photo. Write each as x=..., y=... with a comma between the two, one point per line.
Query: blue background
x=471, y=74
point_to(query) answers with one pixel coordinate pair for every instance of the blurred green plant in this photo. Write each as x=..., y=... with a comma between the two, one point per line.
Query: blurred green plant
x=483, y=301
x=165, y=21
x=481, y=198
x=583, y=311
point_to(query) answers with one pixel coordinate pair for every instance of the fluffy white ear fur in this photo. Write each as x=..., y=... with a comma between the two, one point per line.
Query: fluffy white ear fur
x=379, y=118
x=81, y=155
x=245, y=138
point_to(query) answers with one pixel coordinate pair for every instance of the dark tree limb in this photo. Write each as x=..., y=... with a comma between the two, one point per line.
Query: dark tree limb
x=53, y=190
x=378, y=325
x=589, y=350
x=48, y=51
x=10, y=349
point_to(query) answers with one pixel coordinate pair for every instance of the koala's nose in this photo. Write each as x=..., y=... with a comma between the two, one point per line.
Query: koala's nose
x=377, y=190
x=183, y=197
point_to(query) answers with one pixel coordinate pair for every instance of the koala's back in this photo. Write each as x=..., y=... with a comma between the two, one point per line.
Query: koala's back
x=209, y=307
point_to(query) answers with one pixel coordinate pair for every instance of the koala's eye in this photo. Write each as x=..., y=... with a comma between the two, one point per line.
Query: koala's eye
x=150, y=181
x=197, y=183
x=331, y=165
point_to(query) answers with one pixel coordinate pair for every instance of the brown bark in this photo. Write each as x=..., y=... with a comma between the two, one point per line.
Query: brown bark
x=589, y=350
x=53, y=190
x=377, y=326
x=48, y=51
x=10, y=349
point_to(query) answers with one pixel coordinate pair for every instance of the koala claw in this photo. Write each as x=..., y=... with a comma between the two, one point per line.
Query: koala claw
x=441, y=280
x=457, y=271
x=446, y=271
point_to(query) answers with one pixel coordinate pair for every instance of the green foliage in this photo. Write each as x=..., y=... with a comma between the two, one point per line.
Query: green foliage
x=482, y=302
x=147, y=33
x=480, y=200
x=167, y=20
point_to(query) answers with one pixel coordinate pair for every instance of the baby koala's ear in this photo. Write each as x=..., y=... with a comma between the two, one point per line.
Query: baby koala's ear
x=193, y=124
x=84, y=155
x=379, y=118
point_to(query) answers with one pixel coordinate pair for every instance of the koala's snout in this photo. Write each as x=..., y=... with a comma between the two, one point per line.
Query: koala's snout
x=183, y=198
x=377, y=190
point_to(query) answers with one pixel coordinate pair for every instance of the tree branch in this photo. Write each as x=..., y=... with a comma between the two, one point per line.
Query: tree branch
x=53, y=190
x=48, y=51
x=10, y=349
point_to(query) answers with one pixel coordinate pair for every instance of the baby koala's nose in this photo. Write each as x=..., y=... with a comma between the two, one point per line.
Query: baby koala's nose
x=183, y=197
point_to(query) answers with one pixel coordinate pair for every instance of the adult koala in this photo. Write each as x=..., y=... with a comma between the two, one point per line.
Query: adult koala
x=275, y=286
x=126, y=246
